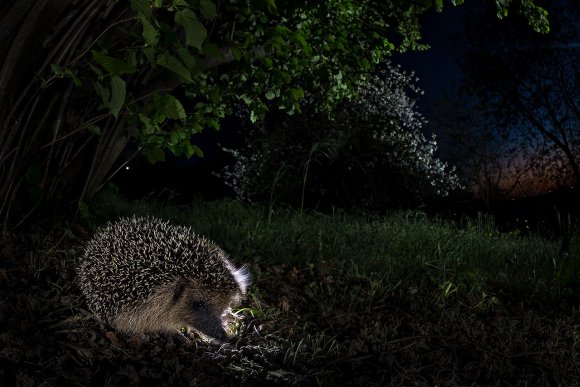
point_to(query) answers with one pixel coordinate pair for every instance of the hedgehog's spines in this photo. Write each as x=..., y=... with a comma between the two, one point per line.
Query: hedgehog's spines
x=141, y=273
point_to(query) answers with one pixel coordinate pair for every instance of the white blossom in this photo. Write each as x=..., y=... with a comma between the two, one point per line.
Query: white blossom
x=376, y=136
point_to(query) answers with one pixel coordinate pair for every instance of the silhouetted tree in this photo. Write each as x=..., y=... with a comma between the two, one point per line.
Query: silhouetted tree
x=528, y=86
x=489, y=163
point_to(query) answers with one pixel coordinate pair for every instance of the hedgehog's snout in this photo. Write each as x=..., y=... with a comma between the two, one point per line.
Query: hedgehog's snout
x=207, y=322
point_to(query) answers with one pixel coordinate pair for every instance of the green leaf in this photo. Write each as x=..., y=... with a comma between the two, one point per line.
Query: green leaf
x=132, y=58
x=66, y=72
x=155, y=155
x=297, y=94
x=174, y=65
x=113, y=65
x=170, y=106
x=272, y=6
x=298, y=37
x=247, y=100
x=197, y=150
x=149, y=53
x=174, y=137
x=113, y=97
x=208, y=9
x=213, y=123
x=236, y=53
x=94, y=129
x=191, y=150
x=270, y=95
x=57, y=70
x=150, y=126
x=269, y=63
x=282, y=30
x=97, y=71
x=215, y=95
x=141, y=6
x=118, y=92
x=188, y=60
x=103, y=92
x=196, y=128
x=150, y=33
x=195, y=32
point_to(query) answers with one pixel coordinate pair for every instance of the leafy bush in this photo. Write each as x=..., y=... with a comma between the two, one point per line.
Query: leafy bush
x=369, y=153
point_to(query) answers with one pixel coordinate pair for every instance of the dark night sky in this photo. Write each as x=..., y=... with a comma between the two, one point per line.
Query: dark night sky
x=436, y=68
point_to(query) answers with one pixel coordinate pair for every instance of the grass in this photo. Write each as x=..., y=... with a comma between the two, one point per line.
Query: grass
x=336, y=299
x=472, y=256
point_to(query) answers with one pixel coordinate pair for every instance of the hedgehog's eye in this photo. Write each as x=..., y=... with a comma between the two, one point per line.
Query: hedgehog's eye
x=196, y=305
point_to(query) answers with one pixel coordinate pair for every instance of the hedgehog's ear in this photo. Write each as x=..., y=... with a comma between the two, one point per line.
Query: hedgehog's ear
x=243, y=278
x=179, y=290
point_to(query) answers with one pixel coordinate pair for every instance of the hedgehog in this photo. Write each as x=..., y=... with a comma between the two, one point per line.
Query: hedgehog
x=144, y=275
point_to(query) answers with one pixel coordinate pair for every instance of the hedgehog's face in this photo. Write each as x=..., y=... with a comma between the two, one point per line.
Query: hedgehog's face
x=205, y=310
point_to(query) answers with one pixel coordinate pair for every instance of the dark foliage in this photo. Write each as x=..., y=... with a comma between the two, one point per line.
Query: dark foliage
x=369, y=153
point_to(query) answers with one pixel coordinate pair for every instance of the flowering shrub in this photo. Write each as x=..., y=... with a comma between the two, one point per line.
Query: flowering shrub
x=368, y=153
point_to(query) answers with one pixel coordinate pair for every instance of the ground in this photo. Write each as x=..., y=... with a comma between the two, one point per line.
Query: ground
x=319, y=324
